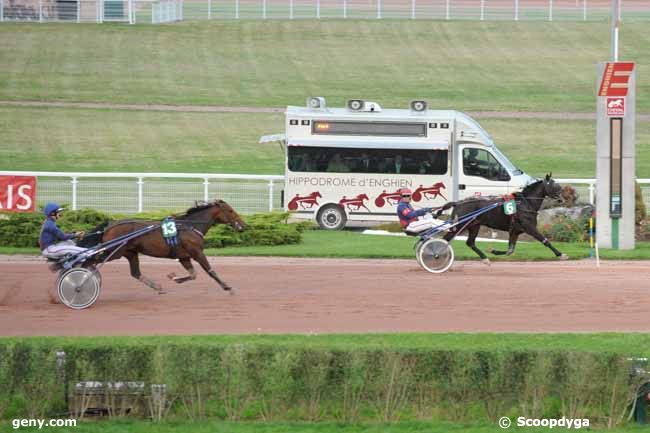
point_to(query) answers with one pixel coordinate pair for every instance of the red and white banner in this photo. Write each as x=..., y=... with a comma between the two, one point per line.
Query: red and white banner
x=17, y=193
x=616, y=79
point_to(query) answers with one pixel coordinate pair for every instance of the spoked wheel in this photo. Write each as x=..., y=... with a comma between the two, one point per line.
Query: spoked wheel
x=436, y=255
x=417, y=247
x=79, y=288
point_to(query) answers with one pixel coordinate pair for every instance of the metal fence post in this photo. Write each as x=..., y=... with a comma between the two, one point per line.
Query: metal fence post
x=209, y=9
x=345, y=9
x=591, y=193
x=78, y=11
x=516, y=10
x=482, y=10
x=270, y=195
x=378, y=9
x=318, y=9
x=447, y=10
x=206, y=186
x=181, y=5
x=584, y=10
x=74, y=193
x=550, y=10
x=2, y=11
x=140, y=194
x=40, y=11
x=130, y=11
x=290, y=9
x=264, y=9
x=236, y=9
x=412, y=9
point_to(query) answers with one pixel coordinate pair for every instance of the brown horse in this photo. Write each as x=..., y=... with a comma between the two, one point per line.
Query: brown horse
x=192, y=227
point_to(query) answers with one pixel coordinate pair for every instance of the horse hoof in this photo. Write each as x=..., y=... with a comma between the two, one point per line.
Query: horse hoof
x=486, y=262
x=171, y=275
x=564, y=257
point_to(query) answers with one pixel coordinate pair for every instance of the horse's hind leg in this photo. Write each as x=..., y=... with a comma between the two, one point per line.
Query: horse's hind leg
x=187, y=264
x=472, y=233
x=512, y=243
x=203, y=261
x=134, y=264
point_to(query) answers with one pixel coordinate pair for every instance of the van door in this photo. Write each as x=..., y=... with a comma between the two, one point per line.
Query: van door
x=480, y=173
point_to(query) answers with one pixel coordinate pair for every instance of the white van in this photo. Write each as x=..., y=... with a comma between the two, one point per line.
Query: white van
x=348, y=164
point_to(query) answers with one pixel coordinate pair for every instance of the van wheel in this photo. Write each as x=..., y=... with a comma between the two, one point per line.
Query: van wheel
x=331, y=217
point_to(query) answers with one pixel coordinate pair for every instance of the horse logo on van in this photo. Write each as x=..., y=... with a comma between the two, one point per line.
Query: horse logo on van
x=356, y=202
x=308, y=201
x=429, y=192
x=391, y=197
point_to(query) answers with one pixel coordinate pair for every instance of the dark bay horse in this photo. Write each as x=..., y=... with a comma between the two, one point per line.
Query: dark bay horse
x=529, y=200
x=192, y=227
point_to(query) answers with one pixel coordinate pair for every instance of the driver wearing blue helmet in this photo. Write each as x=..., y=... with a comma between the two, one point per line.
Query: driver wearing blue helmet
x=53, y=242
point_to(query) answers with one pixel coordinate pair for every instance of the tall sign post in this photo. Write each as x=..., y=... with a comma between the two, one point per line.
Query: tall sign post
x=615, y=165
x=615, y=135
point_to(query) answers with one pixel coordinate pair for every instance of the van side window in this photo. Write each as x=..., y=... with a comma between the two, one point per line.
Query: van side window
x=481, y=163
x=377, y=161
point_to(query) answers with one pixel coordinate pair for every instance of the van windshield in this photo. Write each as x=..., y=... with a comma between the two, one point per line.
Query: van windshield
x=506, y=162
x=485, y=137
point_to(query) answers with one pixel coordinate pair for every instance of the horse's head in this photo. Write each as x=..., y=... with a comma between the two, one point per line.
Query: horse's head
x=227, y=215
x=219, y=212
x=551, y=188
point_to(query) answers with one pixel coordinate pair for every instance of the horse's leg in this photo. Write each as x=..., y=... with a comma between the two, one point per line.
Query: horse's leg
x=531, y=230
x=187, y=264
x=472, y=233
x=134, y=264
x=512, y=243
x=203, y=261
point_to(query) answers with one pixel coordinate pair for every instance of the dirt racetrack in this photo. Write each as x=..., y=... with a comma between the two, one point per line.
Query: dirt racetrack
x=284, y=295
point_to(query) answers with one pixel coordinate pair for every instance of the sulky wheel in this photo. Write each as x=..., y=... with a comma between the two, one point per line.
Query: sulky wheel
x=79, y=288
x=436, y=255
x=417, y=247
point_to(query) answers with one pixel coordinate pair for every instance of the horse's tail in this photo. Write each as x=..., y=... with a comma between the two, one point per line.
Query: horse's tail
x=446, y=206
x=94, y=236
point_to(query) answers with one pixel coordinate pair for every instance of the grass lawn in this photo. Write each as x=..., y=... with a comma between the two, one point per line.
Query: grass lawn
x=56, y=139
x=467, y=65
x=124, y=426
x=630, y=344
x=353, y=244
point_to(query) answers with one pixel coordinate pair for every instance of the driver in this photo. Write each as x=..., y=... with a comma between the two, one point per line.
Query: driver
x=53, y=242
x=414, y=221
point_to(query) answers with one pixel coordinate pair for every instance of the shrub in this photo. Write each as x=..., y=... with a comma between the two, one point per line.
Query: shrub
x=639, y=204
x=23, y=229
x=288, y=383
x=261, y=229
x=564, y=229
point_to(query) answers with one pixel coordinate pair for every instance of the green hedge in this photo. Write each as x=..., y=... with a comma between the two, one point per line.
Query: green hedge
x=258, y=381
x=23, y=229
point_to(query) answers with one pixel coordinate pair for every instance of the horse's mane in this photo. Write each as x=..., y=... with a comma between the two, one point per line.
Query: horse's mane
x=202, y=205
x=528, y=188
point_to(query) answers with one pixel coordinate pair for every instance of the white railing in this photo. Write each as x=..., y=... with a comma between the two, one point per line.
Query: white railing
x=159, y=11
x=139, y=192
x=589, y=186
